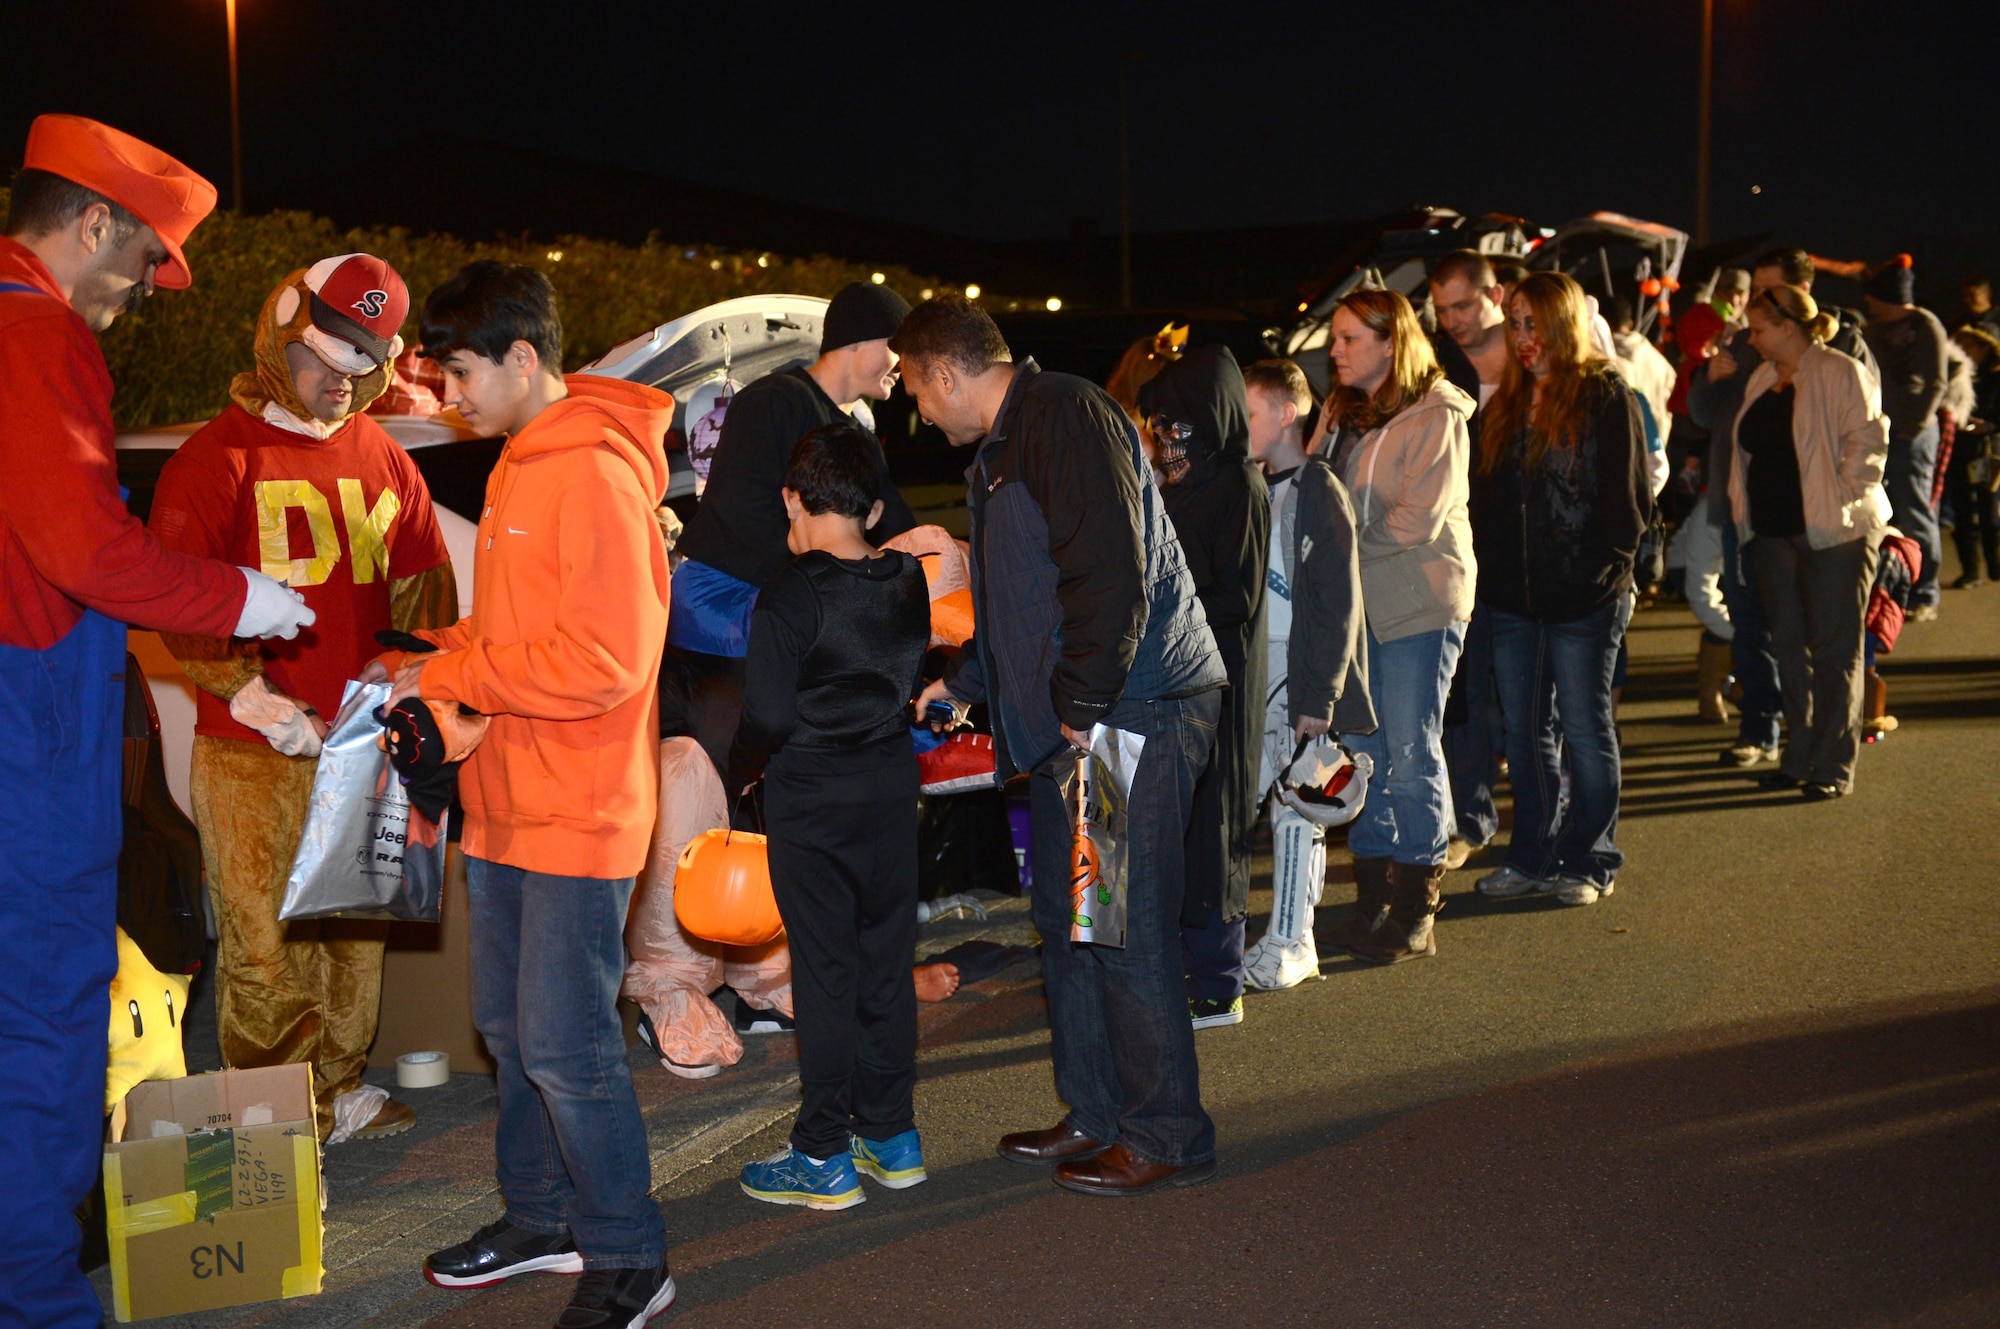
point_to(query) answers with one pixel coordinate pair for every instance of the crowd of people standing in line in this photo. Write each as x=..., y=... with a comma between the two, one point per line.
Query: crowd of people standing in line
x=1444, y=551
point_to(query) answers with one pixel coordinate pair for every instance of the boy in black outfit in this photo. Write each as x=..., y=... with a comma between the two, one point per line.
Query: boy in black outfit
x=837, y=641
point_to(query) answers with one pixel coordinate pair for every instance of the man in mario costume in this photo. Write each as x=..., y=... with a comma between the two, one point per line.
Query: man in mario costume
x=96, y=222
x=293, y=476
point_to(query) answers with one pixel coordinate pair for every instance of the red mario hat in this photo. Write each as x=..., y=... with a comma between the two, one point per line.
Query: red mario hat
x=358, y=304
x=137, y=176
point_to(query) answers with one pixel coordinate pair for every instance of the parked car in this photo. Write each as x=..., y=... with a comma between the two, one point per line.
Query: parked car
x=1611, y=254
x=1397, y=257
x=1607, y=252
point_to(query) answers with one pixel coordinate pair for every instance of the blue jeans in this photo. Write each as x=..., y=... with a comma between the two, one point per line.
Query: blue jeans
x=1118, y=1018
x=60, y=720
x=1910, y=478
x=1557, y=676
x=1213, y=957
x=1408, y=814
x=547, y=956
x=1472, y=749
x=1750, y=657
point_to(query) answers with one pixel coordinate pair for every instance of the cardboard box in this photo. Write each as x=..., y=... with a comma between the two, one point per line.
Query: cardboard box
x=212, y=1192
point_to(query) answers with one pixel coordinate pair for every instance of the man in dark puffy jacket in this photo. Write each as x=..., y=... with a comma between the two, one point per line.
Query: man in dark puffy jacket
x=1086, y=615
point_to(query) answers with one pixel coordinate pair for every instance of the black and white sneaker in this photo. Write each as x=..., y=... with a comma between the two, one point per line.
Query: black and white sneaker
x=619, y=1299
x=497, y=1252
x=749, y=1020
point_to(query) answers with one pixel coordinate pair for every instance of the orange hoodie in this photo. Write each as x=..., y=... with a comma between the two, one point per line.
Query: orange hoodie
x=569, y=618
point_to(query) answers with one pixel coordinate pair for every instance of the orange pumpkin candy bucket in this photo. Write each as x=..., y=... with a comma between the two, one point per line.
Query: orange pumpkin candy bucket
x=722, y=890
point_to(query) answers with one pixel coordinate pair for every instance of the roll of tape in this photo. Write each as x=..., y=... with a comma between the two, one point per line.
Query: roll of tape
x=423, y=1070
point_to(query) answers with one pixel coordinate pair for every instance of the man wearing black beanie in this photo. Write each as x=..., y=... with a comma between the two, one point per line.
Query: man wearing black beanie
x=1908, y=342
x=736, y=541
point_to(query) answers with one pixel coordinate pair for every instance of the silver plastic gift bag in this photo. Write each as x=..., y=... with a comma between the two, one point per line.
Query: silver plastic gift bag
x=1101, y=855
x=364, y=853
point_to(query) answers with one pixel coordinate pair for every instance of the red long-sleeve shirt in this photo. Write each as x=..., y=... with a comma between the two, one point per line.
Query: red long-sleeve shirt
x=66, y=541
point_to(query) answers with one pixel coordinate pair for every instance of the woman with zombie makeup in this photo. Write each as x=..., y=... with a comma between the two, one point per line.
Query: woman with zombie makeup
x=1395, y=432
x=1559, y=502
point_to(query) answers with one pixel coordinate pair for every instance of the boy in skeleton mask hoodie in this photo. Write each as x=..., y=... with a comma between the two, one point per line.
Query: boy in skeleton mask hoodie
x=294, y=479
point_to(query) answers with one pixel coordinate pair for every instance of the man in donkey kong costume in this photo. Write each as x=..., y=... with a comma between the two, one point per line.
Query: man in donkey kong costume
x=295, y=479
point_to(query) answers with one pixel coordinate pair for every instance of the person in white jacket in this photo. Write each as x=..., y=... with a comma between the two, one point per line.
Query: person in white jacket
x=1805, y=491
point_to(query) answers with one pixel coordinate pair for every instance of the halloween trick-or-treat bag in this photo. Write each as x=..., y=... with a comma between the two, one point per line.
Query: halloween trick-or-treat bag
x=365, y=852
x=1100, y=797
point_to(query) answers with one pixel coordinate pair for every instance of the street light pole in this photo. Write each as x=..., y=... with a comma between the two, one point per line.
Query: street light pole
x=235, y=112
x=1707, y=99
x=1125, y=59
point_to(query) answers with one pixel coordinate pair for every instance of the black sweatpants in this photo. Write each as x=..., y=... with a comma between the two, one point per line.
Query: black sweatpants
x=843, y=839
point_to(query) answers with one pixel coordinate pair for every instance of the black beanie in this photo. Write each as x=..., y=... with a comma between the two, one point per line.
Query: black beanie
x=862, y=312
x=1895, y=282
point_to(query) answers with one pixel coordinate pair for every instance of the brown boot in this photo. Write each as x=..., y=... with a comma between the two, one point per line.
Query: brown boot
x=1711, y=678
x=1371, y=901
x=1406, y=933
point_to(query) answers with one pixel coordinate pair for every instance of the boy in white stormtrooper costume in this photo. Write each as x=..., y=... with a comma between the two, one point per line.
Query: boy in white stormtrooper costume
x=1318, y=679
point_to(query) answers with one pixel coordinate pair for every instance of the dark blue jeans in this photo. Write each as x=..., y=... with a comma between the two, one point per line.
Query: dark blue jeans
x=1213, y=955
x=547, y=956
x=1472, y=749
x=1408, y=813
x=1909, y=477
x=1750, y=657
x=1118, y=1018
x=1557, y=677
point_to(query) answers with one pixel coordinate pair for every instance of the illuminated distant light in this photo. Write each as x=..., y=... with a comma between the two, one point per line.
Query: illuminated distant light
x=715, y=265
x=763, y=260
x=925, y=294
x=1302, y=306
x=1054, y=303
x=555, y=255
x=972, y=290
x=878, y=277
x=1756, y=189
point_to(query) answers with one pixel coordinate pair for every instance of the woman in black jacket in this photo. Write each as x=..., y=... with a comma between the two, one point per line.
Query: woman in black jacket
x=1199, y=419
x=1559, y=501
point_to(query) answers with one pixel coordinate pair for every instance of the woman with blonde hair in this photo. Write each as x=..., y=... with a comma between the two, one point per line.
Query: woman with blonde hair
x=1805, y=490
x=1559, y=502
x=1395, y=432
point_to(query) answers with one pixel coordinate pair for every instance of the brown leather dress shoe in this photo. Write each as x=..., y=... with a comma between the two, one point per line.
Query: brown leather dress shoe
x=1041, y=1148
x=1117, y=1172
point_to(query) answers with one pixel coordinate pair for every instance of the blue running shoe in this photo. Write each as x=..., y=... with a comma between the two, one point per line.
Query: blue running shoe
x=789, y=1177
x=897, y=1162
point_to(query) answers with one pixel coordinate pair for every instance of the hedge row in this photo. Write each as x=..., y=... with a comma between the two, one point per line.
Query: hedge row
x=173, y=360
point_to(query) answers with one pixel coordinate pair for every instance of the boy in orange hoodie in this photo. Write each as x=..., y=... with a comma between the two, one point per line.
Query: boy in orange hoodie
x=569, y=618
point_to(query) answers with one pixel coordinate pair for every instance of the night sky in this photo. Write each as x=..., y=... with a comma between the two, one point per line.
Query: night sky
x=1865, y=127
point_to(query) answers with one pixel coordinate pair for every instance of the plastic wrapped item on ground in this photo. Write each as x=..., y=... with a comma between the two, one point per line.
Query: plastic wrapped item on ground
x=672, y=974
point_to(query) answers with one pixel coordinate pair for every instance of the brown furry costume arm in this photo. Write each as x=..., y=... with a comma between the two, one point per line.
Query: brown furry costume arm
x=427, y=600
x=220, y=666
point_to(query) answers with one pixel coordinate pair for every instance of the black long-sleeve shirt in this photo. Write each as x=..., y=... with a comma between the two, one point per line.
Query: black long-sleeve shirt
x=740, y=526
x=836, y=649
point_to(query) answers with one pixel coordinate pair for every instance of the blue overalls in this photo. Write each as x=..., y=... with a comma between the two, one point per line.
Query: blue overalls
x=61, y=725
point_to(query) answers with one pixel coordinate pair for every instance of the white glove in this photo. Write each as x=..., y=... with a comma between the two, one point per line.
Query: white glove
x=272, y=609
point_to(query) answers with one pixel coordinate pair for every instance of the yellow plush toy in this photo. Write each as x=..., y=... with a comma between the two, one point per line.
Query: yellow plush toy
x=147, y=1008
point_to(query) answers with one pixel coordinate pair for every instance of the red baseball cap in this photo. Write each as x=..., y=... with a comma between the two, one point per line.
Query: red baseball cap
x=137, y=176
x=358, y=304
